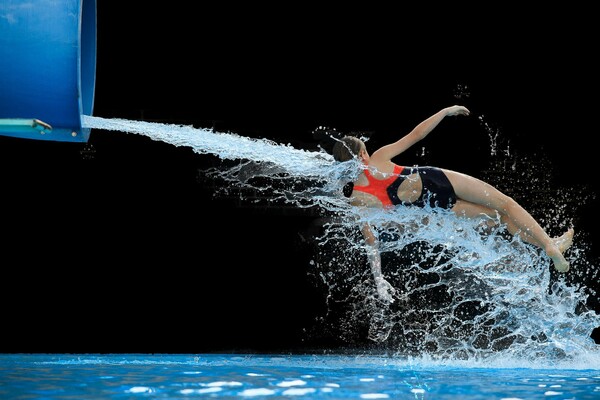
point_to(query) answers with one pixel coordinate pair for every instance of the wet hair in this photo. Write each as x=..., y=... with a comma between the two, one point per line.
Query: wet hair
x=347, y=148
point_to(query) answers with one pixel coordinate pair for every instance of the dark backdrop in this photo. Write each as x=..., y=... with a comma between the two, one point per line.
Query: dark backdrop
x=117, y=245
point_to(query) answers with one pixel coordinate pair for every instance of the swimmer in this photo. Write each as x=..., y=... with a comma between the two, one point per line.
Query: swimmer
x=386, y=184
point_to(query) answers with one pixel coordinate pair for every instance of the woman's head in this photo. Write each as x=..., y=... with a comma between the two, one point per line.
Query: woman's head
x=347, y=148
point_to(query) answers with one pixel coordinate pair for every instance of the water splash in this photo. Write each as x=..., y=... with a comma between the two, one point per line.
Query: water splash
x=464, y=291
x=287, y=173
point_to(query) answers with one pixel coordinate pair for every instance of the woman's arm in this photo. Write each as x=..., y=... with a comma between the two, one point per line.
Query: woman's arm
x=420, y=131
x=384, y=289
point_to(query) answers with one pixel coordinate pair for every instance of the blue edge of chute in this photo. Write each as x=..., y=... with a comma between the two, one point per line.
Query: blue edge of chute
x=47, y=69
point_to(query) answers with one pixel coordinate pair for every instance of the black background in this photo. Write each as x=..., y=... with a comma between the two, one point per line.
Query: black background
x=116, y=245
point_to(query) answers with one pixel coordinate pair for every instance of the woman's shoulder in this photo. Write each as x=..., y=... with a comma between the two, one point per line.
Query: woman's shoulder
x=384, y=167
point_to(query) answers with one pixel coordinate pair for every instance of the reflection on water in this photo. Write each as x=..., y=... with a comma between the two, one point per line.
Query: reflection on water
x=463, y=291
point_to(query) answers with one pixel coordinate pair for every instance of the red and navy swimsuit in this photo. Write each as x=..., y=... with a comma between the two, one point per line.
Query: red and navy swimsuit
x=437, y=190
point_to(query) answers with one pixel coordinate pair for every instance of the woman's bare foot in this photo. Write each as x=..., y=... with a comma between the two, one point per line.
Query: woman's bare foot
x=565, y=240
x=560, y=263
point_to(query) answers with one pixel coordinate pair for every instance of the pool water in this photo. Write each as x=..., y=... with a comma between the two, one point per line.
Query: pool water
x=124, y=376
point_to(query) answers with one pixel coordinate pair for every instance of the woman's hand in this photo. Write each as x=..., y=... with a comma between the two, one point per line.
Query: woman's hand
x=457, y=110
x=385, y=290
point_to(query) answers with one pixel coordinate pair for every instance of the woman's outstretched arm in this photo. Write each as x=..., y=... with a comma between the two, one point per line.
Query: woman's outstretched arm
x=419, y=132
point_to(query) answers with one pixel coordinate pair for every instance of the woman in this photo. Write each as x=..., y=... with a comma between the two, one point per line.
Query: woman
x=386, y=184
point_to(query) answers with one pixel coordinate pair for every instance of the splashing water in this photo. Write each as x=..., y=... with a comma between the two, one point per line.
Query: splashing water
x=254, y=159
x=463, y=291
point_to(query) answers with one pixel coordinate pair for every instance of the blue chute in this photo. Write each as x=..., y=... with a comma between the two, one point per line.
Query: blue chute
x=47, y=68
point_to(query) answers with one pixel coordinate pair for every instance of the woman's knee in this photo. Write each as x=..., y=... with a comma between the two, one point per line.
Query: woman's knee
x=499, y=205
x=506, y=205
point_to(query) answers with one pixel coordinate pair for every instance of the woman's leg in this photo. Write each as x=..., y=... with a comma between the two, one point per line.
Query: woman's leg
x=471, y=210
x=487, y=199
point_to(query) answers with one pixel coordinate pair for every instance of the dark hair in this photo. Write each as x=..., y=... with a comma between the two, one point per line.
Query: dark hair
x=347, y=148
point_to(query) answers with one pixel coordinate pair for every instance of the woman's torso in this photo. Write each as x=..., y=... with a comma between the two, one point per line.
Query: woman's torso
x=393, y=184
x=371, y=186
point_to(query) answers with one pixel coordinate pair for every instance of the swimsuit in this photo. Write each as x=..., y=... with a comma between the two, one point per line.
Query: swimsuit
x=437, y=190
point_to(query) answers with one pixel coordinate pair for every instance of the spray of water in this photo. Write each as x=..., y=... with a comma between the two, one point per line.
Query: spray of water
x=463, y=291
